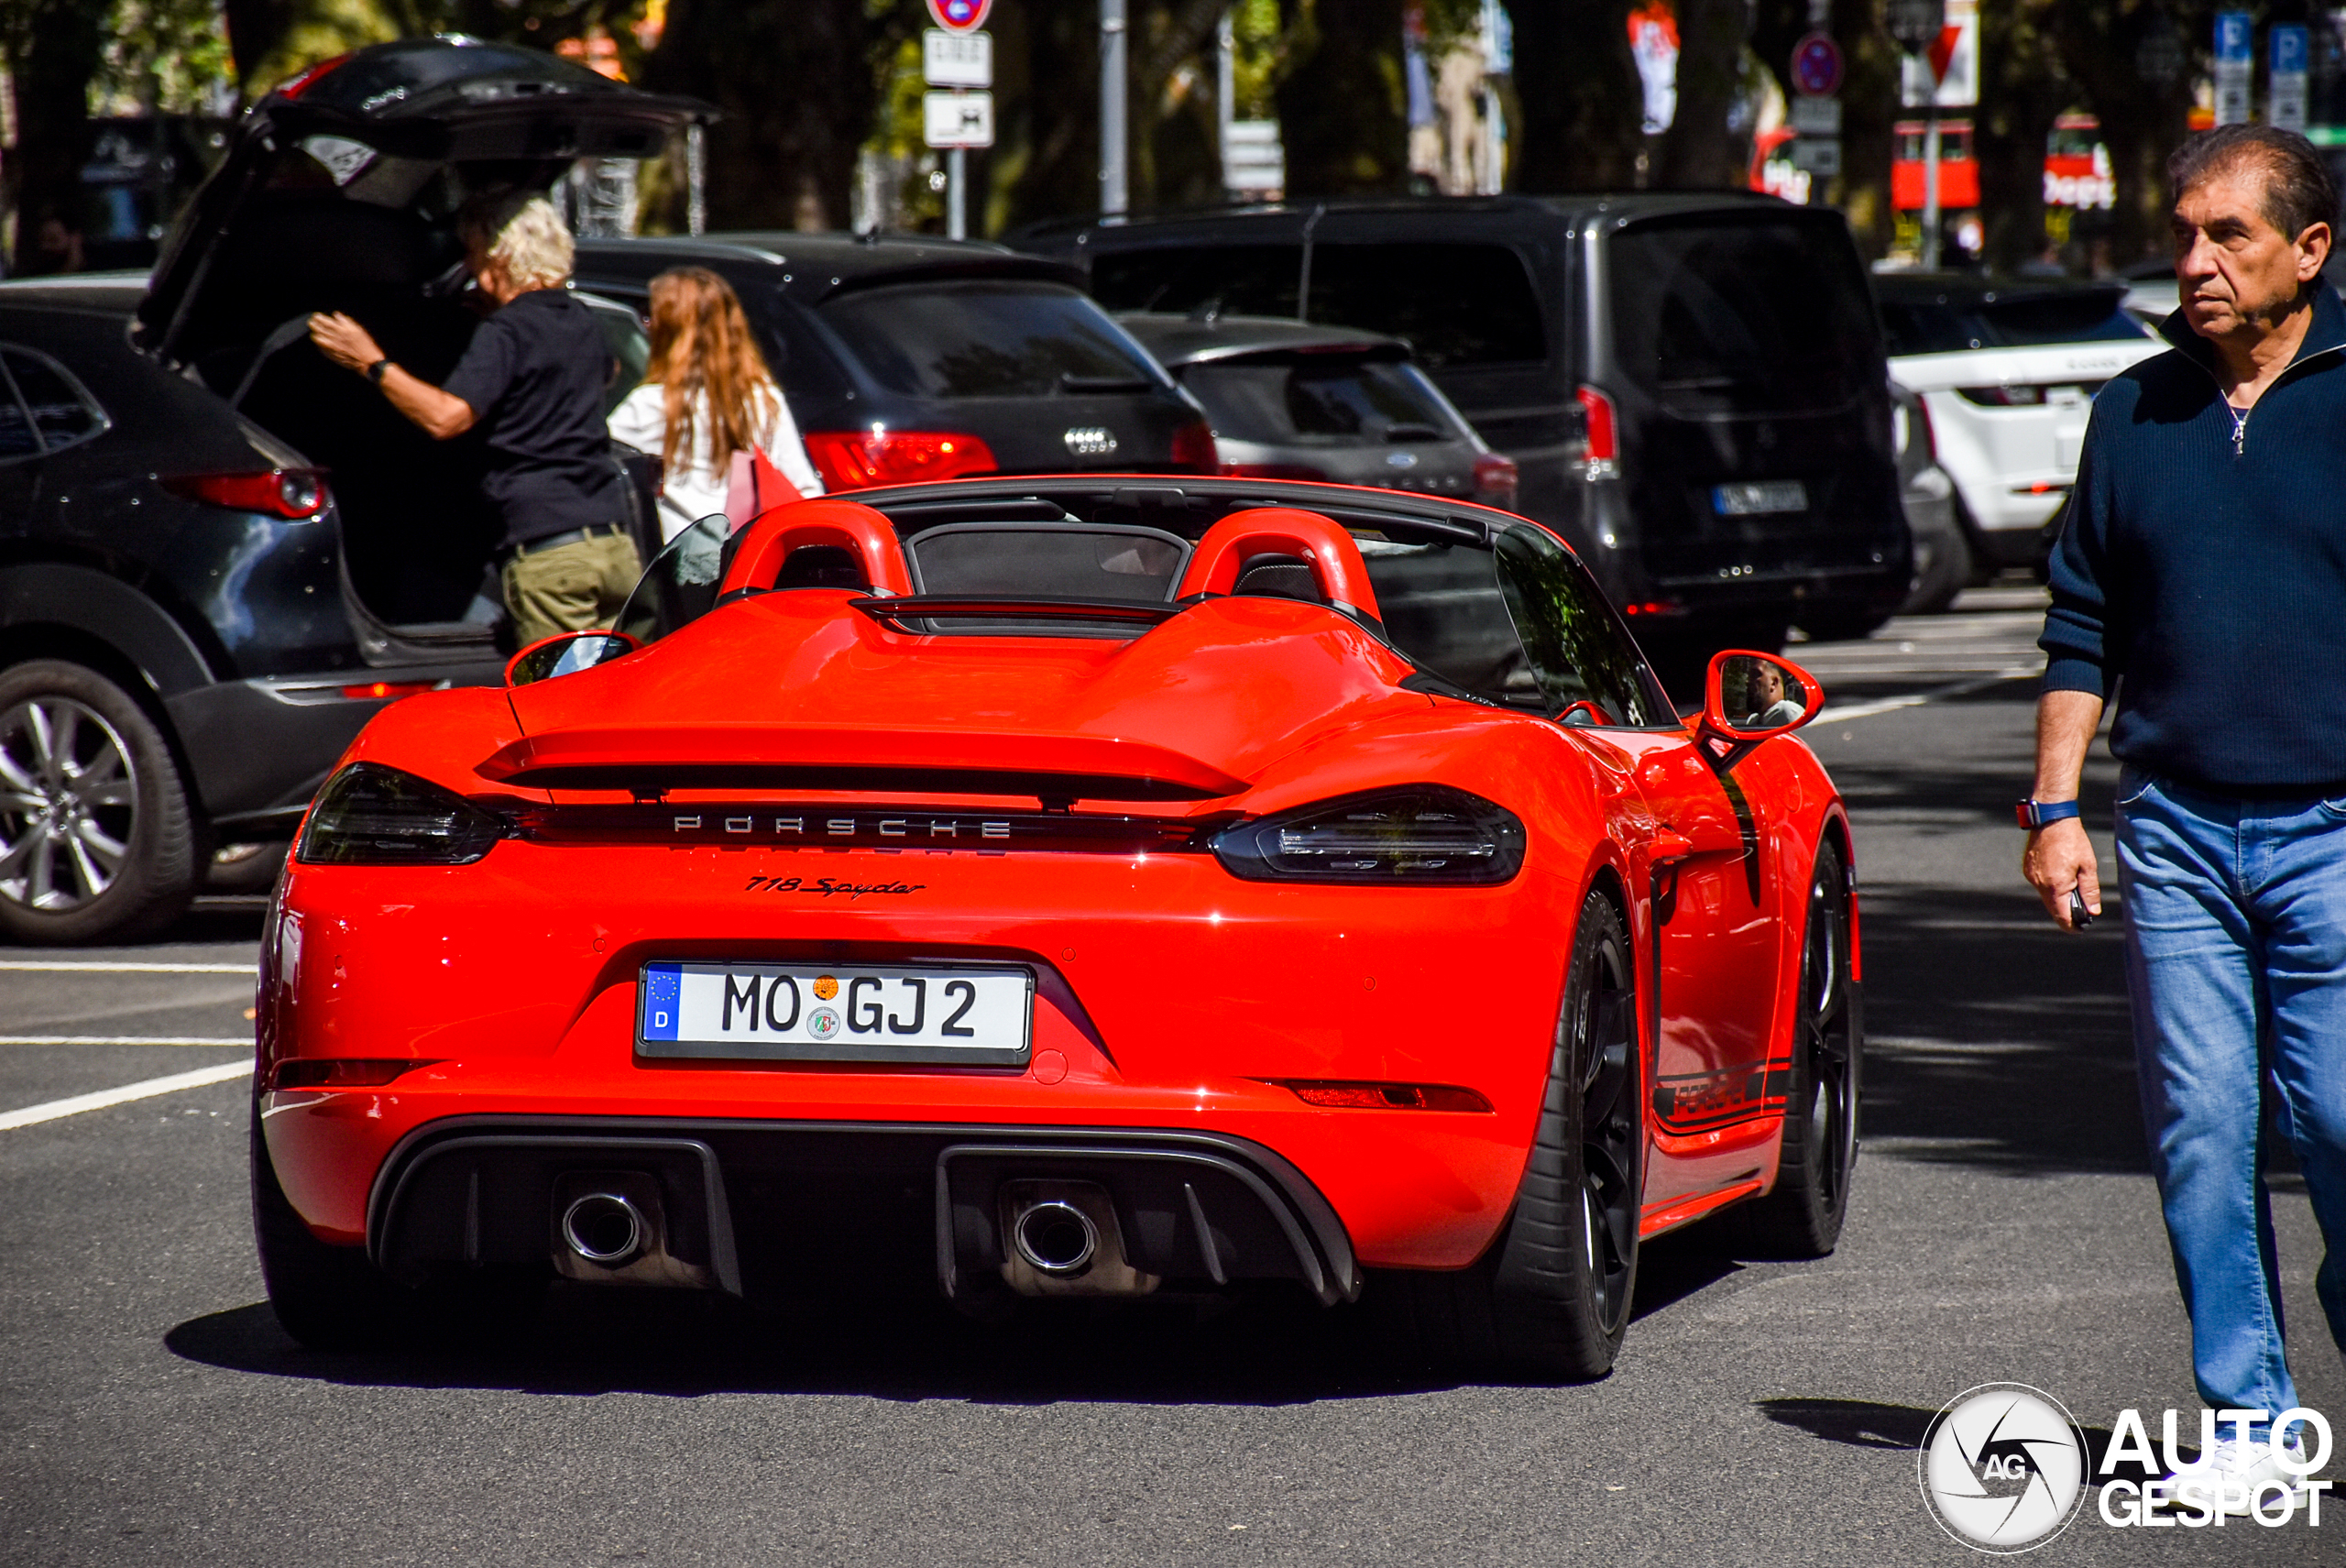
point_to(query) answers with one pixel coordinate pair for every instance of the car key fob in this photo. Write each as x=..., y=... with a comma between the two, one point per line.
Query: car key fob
x=2079, y=915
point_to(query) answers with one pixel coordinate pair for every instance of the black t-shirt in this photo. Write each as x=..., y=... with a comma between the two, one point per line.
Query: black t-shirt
x=535, y=375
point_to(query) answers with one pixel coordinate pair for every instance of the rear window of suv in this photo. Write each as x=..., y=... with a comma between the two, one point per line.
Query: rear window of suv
x=989, y=340
x=1954, y=324
x=1457, y=303
x=1319, y=397
x=1742, y=318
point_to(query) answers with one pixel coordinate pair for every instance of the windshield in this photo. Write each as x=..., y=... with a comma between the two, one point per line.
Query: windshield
x=1522, y=626
x=1332, y=399
x=1742, y=318
x=1953, y=324
x=989, y=340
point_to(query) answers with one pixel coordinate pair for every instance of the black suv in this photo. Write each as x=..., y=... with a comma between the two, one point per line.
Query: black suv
x=908, y=359
x=219, y=555
x=1693, y=385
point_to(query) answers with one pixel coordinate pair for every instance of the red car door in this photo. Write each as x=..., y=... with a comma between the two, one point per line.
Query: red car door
x=1719, y=937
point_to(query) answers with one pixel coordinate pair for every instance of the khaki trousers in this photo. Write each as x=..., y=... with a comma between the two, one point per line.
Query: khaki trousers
x=579, y=586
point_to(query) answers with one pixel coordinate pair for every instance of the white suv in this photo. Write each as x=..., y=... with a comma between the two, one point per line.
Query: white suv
x=2007, y=370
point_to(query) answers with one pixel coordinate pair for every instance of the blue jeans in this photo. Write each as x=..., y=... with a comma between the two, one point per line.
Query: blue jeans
x=2236, y=966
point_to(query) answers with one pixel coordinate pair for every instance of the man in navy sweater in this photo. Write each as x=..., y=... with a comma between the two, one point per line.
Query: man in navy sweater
x=2201, y=581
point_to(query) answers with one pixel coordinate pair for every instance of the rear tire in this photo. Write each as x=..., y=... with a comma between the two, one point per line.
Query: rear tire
x=1942, y=569
x=1552, y=1297
x=329, y=1298
x=97, y=841
x=1802, y=1218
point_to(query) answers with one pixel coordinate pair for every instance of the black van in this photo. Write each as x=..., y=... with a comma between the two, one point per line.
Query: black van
x=1694, y=386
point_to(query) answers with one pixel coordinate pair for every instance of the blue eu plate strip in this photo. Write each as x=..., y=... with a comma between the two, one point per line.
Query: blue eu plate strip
x=663, y=991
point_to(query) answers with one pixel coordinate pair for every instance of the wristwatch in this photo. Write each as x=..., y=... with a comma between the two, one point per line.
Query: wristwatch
x=2036, y=813
x=375, y=371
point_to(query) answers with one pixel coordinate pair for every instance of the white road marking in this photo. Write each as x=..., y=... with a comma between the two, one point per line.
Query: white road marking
x=121, y=1041
x=1916, y=699
x=49, y=1110
x=32, y=966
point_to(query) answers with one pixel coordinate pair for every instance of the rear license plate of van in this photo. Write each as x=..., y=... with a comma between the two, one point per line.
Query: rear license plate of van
x=1753, y=499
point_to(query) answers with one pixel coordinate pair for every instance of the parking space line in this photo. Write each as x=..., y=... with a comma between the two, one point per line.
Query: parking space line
x=34, y=966
x=1916, y=699
x=123, y=1040
x=49, y=1110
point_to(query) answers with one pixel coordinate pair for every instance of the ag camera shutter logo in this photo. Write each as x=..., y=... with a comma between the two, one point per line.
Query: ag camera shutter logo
x=2003, y=1468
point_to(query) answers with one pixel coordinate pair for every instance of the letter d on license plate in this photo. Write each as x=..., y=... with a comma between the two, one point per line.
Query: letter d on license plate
x=941, y=1013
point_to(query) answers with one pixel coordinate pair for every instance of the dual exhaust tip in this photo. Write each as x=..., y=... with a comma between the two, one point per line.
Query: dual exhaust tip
x=605, y=1229
x=1055, y=1238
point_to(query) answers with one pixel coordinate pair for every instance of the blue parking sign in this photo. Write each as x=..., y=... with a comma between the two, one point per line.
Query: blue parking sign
x=2235, y=38
x=2292, y=55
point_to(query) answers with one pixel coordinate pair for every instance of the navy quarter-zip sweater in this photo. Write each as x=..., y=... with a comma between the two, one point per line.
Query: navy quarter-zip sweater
x=2204, y=580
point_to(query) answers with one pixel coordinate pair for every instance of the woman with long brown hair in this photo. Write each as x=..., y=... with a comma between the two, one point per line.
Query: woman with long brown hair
x=706, y=395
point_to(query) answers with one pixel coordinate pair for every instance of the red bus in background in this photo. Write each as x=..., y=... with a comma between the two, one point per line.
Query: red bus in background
x=1958, y=170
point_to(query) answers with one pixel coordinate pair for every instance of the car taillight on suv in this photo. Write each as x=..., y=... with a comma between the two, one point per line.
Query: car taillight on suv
x=1495, y=480
x=853, y=459
x=1194, y=449
x=292, y=493
x=1593, y=447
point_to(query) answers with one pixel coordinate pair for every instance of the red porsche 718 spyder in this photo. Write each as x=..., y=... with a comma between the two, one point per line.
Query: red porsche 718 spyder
x=1068, y=887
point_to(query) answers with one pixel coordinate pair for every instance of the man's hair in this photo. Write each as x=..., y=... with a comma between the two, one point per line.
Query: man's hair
x=2299, y=190
x=520, y=231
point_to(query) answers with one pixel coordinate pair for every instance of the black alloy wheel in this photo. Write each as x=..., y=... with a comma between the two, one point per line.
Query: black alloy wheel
x=1802, y=1218
x=1552, y=1297
x=96, y=838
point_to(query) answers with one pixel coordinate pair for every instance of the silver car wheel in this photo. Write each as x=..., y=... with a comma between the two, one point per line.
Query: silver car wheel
x=69, y=795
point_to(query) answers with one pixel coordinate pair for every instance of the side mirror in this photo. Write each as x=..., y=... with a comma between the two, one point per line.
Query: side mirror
x=1751, y=697
x=566, y=653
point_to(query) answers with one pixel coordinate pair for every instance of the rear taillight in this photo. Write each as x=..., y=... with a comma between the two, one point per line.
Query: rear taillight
x=2002, y=397
x=1272, y=471
x=369, y=815
x=851, y=459
x=1423, y=835
x=1495, y=478
x=1594, y=448
x=1193, y=448
x=295, y=493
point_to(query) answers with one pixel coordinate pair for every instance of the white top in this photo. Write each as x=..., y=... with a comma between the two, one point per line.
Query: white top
x=695, y=486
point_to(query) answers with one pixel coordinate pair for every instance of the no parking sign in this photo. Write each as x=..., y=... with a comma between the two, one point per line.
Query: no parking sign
x=960, y=16
x=1817, y=66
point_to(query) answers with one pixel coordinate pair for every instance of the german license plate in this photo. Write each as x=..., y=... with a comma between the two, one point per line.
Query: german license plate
x=1751, y=499
x=937, y=1013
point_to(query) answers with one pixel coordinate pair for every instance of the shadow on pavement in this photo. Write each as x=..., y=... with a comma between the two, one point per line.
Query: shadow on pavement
x=1860, y=1423
x=1267, y=1349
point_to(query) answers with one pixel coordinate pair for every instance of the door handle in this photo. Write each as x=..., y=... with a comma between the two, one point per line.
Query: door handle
x=1667, y=848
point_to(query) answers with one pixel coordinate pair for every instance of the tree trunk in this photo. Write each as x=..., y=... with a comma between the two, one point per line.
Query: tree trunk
x=1584, y=107
x=796, y=88
x=1696, y=152
x=2141, y=124
x=1869, y=110
x=2022, y=91
x=63, y=43
x=1342, y=110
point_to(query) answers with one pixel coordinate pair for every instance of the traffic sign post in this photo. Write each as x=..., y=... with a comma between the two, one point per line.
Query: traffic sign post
x=2291, y=64
x=2235, y=62
x=957, y=57
x=1817, y=66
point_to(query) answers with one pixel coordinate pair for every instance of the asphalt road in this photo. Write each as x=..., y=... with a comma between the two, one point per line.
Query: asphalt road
x=2003, y=1230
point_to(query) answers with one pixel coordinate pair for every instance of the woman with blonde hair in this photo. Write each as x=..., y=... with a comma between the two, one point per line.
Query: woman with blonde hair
x=706, y=396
